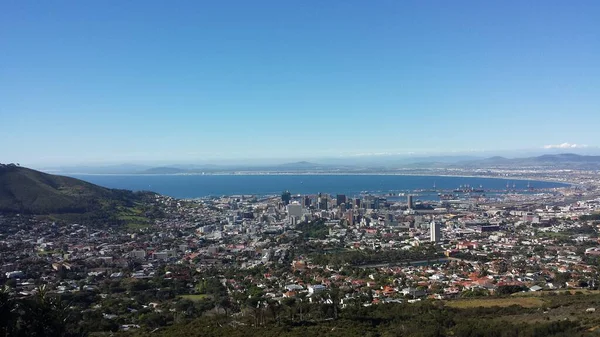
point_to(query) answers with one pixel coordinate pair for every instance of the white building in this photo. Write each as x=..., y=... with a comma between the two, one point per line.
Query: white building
x=137, y=254
x=164, y=255
x=294, y=287
x=295, y=210
x=435, y=234
x=15, y=274
x=316, y=288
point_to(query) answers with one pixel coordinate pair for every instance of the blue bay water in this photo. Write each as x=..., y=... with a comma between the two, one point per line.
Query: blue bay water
x=195, y=186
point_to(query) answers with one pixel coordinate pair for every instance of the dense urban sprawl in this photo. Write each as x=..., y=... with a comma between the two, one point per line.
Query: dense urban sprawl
x=304, y=257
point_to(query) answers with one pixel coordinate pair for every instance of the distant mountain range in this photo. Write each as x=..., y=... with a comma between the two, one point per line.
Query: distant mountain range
x=164, y=170
x=27, y=191
x=561, y=160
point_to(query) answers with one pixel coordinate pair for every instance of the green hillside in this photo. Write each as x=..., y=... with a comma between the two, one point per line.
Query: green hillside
x=27, y=191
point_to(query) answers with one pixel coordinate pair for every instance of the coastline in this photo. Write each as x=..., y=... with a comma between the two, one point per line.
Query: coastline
x=567, y=183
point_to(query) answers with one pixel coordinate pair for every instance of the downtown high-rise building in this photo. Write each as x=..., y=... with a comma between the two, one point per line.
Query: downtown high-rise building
x=306, y=201
x=323, y=202
x=286, y=197
x=435, y=232
x=295, y=210
x=340, y=199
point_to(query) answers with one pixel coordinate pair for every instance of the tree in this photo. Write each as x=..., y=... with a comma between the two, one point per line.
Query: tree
x=288, y=305
x=335, y=295
x=44, y=315
x=562, y=278
x=7, y=313
x=483, y=269
x=509, y=289
x=153, y=320
x=274, y=309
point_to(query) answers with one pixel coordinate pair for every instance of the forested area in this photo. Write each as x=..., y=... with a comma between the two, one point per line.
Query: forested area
x=594, y=217
x=365, y=257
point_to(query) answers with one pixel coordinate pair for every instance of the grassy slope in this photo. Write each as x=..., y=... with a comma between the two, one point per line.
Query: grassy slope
x=197, y=297
x=525, y=302
x=27, y=191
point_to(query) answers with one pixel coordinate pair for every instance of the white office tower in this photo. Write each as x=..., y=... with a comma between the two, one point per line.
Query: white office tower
x=295, y=210
x=435, y=232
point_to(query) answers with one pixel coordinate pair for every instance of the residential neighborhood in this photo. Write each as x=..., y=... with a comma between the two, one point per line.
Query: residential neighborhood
x=227, y=254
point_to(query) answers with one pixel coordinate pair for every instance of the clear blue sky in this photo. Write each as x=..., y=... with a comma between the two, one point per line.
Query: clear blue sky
x=127, y=81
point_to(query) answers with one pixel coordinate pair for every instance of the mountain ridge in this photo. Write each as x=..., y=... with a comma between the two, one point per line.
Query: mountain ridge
x=27, y=191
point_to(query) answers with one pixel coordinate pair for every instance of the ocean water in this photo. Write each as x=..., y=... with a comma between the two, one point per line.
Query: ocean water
x=195, y=186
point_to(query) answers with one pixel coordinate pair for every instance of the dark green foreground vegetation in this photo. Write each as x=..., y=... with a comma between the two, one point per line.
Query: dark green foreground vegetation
x=428, y=318
x=554, y=315
x=40, y=315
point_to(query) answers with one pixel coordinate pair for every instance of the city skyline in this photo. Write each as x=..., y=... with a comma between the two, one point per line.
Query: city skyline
x=198, y=82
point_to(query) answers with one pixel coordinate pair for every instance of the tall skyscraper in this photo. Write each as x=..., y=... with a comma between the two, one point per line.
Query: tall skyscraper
x=410, y=201
x=323, y=201
x=306, y=201
x=376, y=203
x=368, y=202
x=286, y=197
x=340, y=199
x=435, y=231
x=350, y=217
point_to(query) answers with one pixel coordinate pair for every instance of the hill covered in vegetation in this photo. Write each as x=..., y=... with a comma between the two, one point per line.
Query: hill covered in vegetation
x=27, y=191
